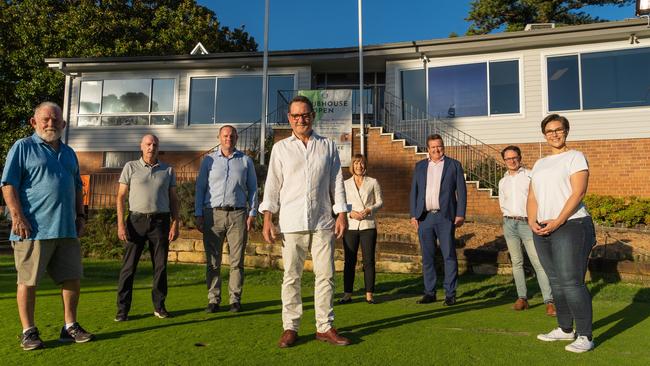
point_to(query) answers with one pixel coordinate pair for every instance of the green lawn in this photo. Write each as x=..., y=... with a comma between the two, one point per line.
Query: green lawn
x=480, y=330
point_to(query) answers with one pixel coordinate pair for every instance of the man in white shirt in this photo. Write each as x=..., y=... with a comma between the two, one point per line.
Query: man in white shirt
x=513, y=193
x=304, y=176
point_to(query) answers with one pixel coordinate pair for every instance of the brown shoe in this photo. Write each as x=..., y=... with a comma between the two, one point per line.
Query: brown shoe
x=550, y=309
x=520, y=304
x=288, y=338
x=332, y=336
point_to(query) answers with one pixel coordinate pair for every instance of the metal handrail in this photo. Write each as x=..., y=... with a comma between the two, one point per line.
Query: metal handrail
x=410, y=123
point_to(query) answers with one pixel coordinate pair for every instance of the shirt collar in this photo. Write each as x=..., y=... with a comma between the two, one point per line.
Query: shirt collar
x=234, y=153
x=519, y=171
x=36, y=138
x=313, y=135
x=436, y=162
x=147, y=165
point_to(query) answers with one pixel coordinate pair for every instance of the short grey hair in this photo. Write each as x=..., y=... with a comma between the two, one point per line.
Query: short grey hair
x=46, y=104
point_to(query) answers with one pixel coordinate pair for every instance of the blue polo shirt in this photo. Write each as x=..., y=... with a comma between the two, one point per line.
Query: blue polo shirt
x=46, y=181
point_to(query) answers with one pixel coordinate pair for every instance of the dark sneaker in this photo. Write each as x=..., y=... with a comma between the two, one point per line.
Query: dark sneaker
x=75, y=334
x=31, y=340
x=213, y=307
x=162, y=313
x=121, y=317
x=235, y=307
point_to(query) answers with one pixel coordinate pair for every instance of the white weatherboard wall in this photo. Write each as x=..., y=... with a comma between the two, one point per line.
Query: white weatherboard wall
x=177, y=137
x=601, y=124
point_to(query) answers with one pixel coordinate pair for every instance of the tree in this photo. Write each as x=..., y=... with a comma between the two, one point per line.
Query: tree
x=31, y=30
x=488, y=15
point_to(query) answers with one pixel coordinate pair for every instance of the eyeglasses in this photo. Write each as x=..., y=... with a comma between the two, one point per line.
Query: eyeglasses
x=305, y=116
x=557, y=131
x=516, y=158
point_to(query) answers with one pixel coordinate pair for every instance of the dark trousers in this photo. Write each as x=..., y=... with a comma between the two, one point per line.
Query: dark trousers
x=564, y=255
x=435, y=227
x=351, y=240
x=142, y=229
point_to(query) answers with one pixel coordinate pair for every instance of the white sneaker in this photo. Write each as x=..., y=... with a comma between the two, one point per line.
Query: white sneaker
x=581, y=344
x=557, y=334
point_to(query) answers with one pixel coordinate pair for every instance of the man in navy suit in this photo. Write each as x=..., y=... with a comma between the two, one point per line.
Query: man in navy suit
x=438, y=200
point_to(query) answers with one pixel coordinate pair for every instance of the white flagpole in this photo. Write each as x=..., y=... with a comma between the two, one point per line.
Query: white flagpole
x=265, y=82
x=362, y=136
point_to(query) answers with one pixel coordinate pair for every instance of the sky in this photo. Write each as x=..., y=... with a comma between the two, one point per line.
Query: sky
x=308, y=24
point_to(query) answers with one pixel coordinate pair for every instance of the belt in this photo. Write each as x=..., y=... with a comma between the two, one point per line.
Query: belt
x=433, y=211
x=518, y=218
x=153, y=215
x=229, y=208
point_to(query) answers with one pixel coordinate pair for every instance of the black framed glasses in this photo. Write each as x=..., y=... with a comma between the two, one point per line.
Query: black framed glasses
x=305, y=116
x=557, y=131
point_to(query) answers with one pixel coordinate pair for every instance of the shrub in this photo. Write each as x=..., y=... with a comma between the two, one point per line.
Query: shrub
x=185, y=192
x=625, y=211
x=100, y=239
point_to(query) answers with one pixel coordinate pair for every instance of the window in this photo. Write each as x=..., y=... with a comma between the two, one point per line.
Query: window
x=117, y=159
x=236, y=99
x=467, y=90
x=611, y=79
x=126, y=102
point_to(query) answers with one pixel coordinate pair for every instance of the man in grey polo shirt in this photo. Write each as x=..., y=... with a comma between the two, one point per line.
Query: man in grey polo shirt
x=151, y=186
x=225, y=208
x=42, y=188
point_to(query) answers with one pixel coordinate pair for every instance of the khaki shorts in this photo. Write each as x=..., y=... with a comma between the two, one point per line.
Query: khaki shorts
x=60, y=258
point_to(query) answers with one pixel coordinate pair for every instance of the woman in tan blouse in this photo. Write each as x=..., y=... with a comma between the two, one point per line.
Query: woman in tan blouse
x=364, y=195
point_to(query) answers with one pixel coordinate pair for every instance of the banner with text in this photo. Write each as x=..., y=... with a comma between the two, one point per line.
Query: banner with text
x=333, y=118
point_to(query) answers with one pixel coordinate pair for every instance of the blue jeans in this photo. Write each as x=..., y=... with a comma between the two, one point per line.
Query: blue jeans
x=516, y=233
x=564, y=254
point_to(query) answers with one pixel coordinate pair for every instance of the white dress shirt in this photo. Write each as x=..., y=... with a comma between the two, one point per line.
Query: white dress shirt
x=434, y=178
x=301, y=183
x=513, y=193
x=368, y=195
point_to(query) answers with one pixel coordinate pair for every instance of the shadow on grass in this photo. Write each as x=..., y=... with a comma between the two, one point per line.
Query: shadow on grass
x=626, y=318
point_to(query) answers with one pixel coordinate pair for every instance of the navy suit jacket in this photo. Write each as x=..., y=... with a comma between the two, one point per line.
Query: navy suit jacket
x=453, y=192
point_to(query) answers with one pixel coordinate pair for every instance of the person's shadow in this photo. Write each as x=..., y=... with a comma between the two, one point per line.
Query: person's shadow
x=634, y=313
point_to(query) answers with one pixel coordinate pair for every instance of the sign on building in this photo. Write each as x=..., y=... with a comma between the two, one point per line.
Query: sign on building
x=333, y=118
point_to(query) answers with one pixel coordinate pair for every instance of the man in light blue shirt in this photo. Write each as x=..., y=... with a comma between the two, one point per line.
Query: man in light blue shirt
x=42, y=188
x=225, y=207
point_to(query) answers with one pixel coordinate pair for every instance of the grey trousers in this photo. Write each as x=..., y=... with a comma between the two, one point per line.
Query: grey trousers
x=231, y=226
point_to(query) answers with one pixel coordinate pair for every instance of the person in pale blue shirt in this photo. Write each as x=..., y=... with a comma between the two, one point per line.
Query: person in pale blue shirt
x=225, y=207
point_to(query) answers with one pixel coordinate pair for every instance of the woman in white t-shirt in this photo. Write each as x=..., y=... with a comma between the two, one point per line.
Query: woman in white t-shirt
x=563, y=233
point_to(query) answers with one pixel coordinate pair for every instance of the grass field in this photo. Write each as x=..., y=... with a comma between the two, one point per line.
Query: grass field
x=480, y=330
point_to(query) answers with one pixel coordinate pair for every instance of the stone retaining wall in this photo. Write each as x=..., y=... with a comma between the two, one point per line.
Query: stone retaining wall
x=401, y=254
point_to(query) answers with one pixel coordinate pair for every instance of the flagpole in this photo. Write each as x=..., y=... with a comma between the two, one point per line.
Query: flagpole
x=362, y=134
x=265, y=83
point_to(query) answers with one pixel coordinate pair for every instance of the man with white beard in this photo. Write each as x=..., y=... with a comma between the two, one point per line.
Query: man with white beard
x=42, y=188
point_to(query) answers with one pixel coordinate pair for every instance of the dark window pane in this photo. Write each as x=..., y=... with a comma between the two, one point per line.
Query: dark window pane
x=117, y=159
x=239, y=99
x=563, y=88
x=125, y=121
x=121, y=96
x=162, y=99
x=504, y=87
x=162, y=120
x=413, y=94
x=90, y=96
x=280, y=87
x=202, y=100
x=342, y=79
x=616, y=79
x=458, y=91
x=381, y=78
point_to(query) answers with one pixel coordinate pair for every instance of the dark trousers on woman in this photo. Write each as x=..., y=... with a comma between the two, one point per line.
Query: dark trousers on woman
x=143, y=228
x=351, y=240
x=564, y=255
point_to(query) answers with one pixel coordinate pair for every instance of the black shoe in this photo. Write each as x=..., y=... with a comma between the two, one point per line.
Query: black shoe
x=449, y=301
x=235, y=307
x=427, y=299
x=75, y=334
x=371, y=301
x=213, y=307
x=162, y=313
x=31, y=340
x=121, y=317
x=343, y=300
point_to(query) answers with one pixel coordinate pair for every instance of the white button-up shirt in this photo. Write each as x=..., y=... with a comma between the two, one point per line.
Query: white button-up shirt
x=434, y=178
x=301, y=183
x=513, y=193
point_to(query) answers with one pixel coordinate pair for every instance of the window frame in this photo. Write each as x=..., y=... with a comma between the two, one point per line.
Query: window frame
x=101, y=78
x=228, y=74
